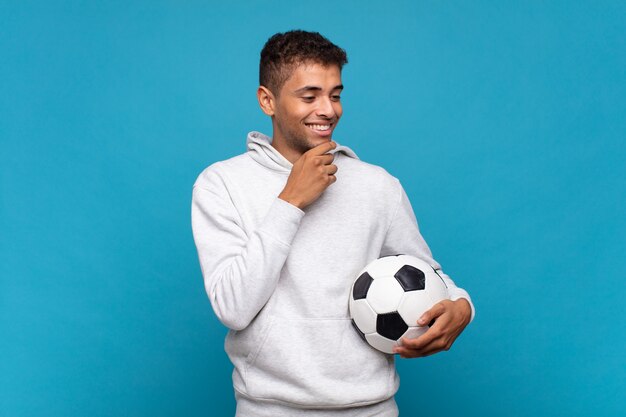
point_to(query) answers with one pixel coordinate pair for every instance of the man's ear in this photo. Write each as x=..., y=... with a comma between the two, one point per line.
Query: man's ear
x=267, y=101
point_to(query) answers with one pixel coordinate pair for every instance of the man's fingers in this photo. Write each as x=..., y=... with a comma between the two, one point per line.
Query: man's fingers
x=331, y=169
x=415, y=353
x=437, y=338
x=425, y=347
x=409, y=353
x=327, y=158
x=323, y=148
x=421, y=341
x=435, y=332
x=434, y=312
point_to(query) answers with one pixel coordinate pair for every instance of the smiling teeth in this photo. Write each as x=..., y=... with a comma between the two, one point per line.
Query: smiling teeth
x=319, y=127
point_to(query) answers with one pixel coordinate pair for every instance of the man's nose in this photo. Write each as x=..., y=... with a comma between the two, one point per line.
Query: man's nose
x=326, y=108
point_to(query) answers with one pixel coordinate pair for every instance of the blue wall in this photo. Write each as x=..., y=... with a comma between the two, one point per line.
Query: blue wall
x=505, y=122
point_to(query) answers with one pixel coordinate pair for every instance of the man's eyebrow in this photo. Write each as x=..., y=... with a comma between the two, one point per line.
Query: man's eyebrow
x=316, y=88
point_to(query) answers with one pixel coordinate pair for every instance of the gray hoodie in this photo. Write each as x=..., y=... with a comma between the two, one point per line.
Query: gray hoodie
x=279, y=277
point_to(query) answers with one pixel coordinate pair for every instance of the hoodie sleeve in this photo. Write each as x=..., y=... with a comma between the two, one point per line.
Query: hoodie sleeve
x=240, y=271
x=403, y=237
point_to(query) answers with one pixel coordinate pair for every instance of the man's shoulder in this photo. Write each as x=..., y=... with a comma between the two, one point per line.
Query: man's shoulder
x=367, y=171
x=217, y=170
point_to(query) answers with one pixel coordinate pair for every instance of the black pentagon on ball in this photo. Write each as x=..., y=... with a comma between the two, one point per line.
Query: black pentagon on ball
x=390, y=325
x=361, y=285
x=411, y=278
x=358, y=330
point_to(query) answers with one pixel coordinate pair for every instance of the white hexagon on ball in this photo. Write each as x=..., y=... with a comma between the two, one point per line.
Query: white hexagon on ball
x=384, y=295
x=363, y=315
x=413, y=305
x=382, y=266
x=436, y=288
x=380, y=342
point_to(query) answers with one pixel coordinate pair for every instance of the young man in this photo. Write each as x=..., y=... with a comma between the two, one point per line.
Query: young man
x=283, y=229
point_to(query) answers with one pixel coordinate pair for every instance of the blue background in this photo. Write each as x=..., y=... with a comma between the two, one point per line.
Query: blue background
x=504, y=121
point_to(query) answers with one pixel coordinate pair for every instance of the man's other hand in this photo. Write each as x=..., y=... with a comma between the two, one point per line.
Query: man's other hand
x=450, y=317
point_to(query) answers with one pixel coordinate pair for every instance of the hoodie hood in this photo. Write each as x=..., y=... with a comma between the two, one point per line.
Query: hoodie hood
x=261, y=150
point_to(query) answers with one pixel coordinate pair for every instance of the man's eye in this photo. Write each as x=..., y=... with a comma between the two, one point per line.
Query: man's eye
x=309, y=98
x=336, y=98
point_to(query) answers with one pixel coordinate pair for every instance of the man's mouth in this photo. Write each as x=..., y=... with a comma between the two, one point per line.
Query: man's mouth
x=318, y=127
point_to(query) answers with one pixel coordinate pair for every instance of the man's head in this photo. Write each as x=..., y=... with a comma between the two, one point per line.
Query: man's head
x=283, y=52
x=300, y=86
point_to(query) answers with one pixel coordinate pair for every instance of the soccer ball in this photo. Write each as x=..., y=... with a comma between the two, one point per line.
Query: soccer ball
x=389, y=296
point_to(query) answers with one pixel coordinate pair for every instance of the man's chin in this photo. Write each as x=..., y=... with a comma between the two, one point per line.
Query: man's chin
x=311, y=142
x=316, y=140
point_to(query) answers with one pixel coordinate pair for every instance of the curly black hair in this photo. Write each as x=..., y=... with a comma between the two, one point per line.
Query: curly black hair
x=283, y=52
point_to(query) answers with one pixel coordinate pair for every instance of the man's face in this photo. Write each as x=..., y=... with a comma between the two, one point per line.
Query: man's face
x=308, y=108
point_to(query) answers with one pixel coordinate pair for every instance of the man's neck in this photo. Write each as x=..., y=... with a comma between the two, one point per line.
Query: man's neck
x=290, y=154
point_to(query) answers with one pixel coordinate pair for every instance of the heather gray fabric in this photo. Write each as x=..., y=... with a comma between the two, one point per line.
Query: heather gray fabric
x=253, y=408
x=279, y=277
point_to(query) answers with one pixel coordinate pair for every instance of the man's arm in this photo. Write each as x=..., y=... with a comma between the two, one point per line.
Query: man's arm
x=240, y=271
x=404, y=237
